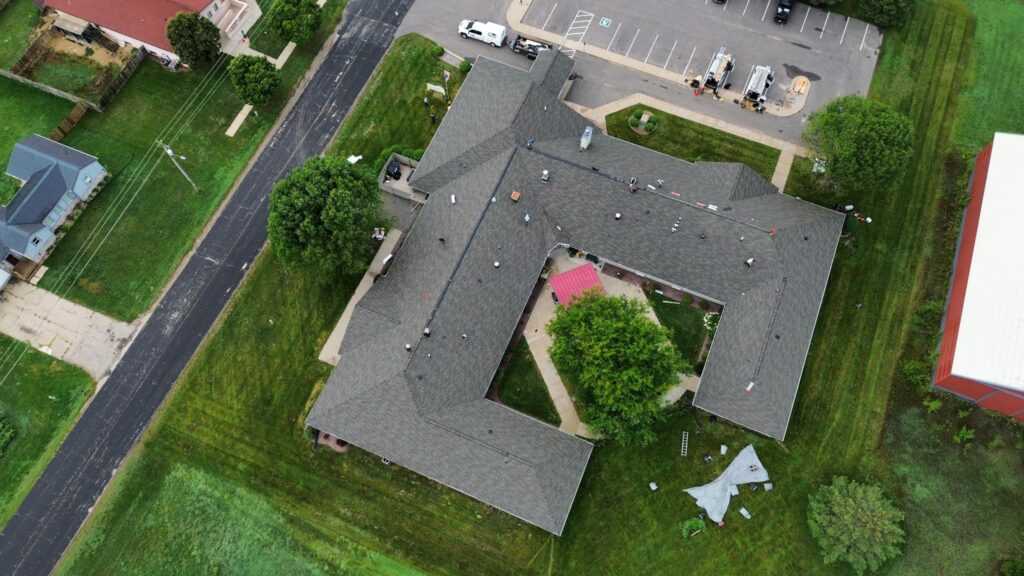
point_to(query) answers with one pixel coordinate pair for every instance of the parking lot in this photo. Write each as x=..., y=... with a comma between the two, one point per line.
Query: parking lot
x=837, y=54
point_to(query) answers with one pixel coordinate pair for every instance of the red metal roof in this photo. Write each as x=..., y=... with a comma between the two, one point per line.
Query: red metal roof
x=144, y=20
x=573, y=283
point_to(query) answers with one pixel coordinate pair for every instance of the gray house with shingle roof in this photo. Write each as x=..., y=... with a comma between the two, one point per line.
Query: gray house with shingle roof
x=54, y=179
x=424, y=343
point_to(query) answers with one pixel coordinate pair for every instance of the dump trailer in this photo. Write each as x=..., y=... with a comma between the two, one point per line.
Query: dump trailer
x=719, y=69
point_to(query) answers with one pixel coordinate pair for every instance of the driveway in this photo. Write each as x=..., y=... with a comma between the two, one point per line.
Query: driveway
x=63, y=329
x=650, y=46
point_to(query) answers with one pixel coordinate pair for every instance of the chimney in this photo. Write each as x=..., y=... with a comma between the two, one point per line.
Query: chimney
x=516, y=195
x=545, y=176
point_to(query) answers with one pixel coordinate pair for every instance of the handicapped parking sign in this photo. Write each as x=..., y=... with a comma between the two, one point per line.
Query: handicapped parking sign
x=605, y=22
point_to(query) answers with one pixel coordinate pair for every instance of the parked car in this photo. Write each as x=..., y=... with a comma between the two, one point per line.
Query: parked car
x=394, y=169
x=782, y=11
x=531, y=48
x=487, y=32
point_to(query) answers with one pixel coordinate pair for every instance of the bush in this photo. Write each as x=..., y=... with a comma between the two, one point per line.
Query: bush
x=652, y=124
x=254, y=78
x=621, y=361
x=294, y=20
x=1012, y=567
x=195, y=39
x=856, y=524
x=466, y=66
x=918, y=373
x=437, y=51
x=887, y=13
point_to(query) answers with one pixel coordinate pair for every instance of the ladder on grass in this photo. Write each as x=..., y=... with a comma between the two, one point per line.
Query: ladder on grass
x=685, y=446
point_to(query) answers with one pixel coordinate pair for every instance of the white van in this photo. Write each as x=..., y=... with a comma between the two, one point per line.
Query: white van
x=489, y=32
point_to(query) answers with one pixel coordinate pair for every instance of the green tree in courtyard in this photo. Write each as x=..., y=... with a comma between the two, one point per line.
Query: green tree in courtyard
x=294, y=20
x=866, y=144
x=323, y=214
x=621, y=361
x=195, y=39
x=887, y=13
x=254, y=78
x=855, y=523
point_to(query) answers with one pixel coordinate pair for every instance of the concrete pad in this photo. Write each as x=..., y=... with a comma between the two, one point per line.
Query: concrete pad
x=63, y=329
x=236, y=124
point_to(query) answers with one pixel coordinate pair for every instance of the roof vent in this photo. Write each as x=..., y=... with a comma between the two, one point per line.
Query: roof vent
x=545, y=176
x=497, y=264
x=618, y=215
x=529, y=143
x=408, y=347
x=464, y=336
x=750, y=262
x=588, y=135
x=703, y=236
x=453, y=198
x=742, y=238
x=516, y=195
x=426, y=331
x=750, y=387
x=526, y=218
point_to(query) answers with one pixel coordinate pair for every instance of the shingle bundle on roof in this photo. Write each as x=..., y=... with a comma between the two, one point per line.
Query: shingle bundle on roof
x=716, y=230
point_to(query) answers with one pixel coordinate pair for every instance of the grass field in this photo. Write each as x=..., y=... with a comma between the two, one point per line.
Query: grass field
x=16, y=23
x=74, y=74
x=41, y=398
x=390, y=116
x=8, y=188
x=156, y=212
x=25, y=111
x=695, y=142
x=521, y=386
x=685, y=323
x=252, y=384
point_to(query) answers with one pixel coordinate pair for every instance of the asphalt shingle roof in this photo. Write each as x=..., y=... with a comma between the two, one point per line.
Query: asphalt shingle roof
x=690, y=225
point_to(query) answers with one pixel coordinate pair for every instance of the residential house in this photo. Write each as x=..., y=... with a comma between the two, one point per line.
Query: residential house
x=143, y=23
x=511, y=175
x=980, y=355
x=54, y=179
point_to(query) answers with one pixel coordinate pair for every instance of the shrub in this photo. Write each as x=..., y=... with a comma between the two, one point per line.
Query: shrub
x=466, y=66
x=1012, y=567
x=964, y=435
x=932, y=404
x=652, y=124
x=918, y=373
x=437, y=51
x=887, y=13
x=855, y=523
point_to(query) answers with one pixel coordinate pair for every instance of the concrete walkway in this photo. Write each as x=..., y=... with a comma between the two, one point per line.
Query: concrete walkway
x=63, y=329
x=787, y=150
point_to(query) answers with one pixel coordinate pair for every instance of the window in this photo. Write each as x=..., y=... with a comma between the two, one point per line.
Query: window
x=35, y=241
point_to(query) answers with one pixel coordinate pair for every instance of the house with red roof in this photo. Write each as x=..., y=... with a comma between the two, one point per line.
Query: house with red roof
x=981, y=355
x=143, y=23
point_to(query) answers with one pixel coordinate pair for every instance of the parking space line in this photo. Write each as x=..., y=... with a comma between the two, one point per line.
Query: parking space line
x=825, y=25
x=614, y=36
x=687, y=69
x=550, y=14
x=651, y=49
x=745, y=8
x=765, y=15
x=670, y=52
x=628, y=50
x=808, y=13
x=866, y=28
x=843, y=38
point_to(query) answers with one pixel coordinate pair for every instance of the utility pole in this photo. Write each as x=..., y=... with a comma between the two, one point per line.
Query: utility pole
x=174, y=159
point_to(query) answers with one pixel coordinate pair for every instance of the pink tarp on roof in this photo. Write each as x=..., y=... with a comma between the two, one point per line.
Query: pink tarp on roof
x=573, y=283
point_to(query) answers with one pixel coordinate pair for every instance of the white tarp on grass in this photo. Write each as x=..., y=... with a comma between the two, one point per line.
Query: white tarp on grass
x=746, y=468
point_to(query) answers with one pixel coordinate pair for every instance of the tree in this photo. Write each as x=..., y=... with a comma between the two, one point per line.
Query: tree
x=323, y=214
x=195, y=39
x=621, y=361
x=887, y=13
x=855, y=523
x=865, y=143
x=294, y=20
x=254, y=78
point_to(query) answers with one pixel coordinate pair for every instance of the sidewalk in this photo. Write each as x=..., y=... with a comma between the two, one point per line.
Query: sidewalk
x=63, y=329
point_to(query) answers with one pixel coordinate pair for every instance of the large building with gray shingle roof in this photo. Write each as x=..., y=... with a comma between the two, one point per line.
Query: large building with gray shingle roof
x=423, y=345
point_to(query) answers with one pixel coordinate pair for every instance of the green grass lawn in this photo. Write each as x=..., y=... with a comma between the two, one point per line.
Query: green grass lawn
x=74, y=74
x=41, y=397
x=990, y=103
x=16, y=23
x=265, y=40
x=159, y=226
x=25, y=111
x=695, y=142
x=521, y=386
x=8, y=188
x=392, y=113
x=684, y=322
x=234, y=425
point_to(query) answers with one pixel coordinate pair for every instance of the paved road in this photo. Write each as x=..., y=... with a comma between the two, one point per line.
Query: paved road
x=52, y=513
